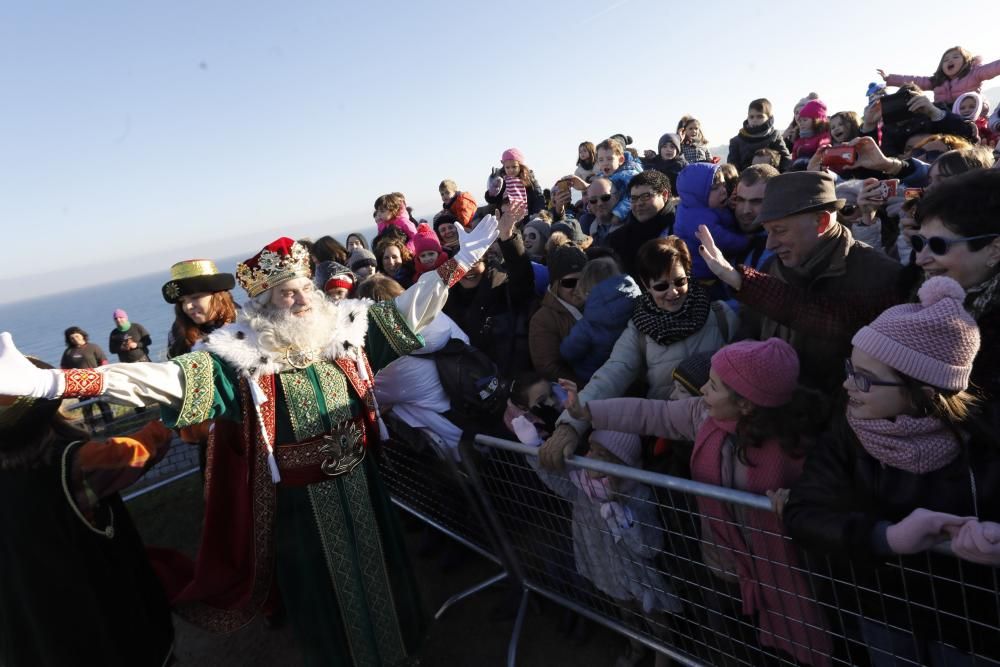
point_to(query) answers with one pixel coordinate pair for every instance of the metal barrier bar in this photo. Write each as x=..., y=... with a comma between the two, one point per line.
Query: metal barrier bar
x=707, y=576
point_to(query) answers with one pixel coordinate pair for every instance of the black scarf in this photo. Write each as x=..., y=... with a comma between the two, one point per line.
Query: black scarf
x=761, y=130
x=665, y=327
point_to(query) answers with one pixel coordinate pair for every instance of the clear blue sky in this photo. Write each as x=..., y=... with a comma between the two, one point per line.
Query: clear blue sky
x=136, y=134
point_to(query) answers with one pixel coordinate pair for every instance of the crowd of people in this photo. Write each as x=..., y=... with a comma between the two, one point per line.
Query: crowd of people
x=816, y=317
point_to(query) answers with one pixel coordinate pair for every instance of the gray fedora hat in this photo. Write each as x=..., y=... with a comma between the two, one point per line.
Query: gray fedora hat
x=798, y=192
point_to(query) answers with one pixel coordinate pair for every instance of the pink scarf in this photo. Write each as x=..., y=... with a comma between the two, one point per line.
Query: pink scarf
x=771, y=580
x=915, y=444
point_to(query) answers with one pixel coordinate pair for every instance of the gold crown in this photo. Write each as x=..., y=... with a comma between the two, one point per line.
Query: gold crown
x=269, y=269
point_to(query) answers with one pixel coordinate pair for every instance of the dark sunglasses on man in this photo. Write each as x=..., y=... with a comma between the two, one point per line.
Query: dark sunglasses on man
x=568, y=283
x=603, y=198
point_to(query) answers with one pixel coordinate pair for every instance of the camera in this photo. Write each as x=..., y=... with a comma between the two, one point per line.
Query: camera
x=840, y=156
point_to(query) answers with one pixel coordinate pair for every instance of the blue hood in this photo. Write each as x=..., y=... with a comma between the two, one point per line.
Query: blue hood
x=694, y=183
x=612, y=297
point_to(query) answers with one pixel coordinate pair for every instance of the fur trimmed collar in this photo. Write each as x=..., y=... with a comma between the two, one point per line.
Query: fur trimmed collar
x=237, y=343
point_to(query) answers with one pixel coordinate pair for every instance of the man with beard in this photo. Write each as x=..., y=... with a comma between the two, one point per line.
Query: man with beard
x=291, y=497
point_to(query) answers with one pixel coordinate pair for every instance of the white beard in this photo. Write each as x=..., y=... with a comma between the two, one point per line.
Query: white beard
x=257, y=342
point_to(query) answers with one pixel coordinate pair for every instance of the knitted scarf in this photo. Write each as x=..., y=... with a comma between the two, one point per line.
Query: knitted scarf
x=772, y=586
x=665, y=327
x=915, y=444
x=983, y=298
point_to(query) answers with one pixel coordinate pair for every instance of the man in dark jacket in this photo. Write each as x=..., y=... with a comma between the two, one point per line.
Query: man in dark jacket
x=129, y=340
x=820, y=287
x=652, y=216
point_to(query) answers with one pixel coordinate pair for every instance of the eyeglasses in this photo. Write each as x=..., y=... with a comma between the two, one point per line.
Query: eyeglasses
x=667, y=284
x=863, y=381
x=569, y=283
x=603, y=198
x=644, y=197
x=848, y=210
x=940, y=246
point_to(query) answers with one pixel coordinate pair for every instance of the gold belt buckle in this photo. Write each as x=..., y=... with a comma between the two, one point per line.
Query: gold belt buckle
x=344, y=449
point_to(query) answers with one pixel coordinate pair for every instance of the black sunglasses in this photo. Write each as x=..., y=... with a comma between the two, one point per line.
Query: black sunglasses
x=667, y=284
x=568, y=283
x=848, y=210
x=940, y=246
x=604, y=198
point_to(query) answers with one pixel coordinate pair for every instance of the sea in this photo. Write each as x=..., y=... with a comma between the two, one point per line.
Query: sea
x=37, y=325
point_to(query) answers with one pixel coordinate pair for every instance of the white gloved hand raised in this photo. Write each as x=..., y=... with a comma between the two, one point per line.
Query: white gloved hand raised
x=474, y=244
x=19, y=377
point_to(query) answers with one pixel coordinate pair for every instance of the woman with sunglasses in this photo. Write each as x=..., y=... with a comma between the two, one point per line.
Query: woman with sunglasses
x=559, y=311
x=674, y=319
x=909, y=466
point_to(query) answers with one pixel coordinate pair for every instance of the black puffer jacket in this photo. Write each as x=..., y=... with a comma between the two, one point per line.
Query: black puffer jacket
x=494, y=313
x=750, y=140
x=837, y=505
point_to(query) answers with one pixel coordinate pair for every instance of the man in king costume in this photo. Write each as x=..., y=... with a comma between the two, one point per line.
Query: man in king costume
x=293, y=494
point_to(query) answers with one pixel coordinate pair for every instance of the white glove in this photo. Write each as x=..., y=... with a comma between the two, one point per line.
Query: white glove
x=474, y=244
x=19, y=377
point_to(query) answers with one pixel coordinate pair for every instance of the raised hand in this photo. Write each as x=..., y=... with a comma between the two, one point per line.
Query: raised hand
x=473, y=245
x=573, y=400
x=713, y=257
x=516, y=211
x=881, y=73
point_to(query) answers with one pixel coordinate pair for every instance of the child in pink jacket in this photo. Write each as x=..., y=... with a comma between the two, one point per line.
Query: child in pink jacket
x=390, y=211
x=747, y=429
x=958, y=72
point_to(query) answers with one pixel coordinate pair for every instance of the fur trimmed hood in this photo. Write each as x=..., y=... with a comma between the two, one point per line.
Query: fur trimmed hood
x=237, y=344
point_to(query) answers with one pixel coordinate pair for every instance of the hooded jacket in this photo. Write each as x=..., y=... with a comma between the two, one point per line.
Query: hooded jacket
x=605, y=315
x=694, y=185
x=620, y=179
x=669, y=168
x=751, y=139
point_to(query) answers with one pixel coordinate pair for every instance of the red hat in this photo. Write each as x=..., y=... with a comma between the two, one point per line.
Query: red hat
x=276, y=263
x=426, y=239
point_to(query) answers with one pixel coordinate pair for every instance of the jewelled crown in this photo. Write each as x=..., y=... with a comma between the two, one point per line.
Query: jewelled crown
x=278, y=262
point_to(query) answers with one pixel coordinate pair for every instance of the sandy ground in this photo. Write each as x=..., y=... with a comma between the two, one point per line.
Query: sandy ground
x=473, y=632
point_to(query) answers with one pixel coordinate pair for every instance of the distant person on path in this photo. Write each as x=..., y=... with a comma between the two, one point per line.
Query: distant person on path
x=81, y=353
x=129, y=340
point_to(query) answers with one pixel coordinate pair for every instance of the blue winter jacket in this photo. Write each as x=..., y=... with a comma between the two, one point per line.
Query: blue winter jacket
x=620, y=179
x=605, y=316
x=693, y=185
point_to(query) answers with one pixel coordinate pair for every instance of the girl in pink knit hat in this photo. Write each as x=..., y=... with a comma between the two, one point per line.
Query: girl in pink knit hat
x=911, y=465
x=519, y=181
x=814, y=130
x=748, y=430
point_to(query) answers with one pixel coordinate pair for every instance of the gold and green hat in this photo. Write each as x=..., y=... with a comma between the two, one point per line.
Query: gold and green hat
x=194, y=276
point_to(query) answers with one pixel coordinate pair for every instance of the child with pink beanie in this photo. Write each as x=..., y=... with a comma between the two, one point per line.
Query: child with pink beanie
x=518, y=183
x=814, y=130
x=909, y=466
x=427, y=251
x=748, y=431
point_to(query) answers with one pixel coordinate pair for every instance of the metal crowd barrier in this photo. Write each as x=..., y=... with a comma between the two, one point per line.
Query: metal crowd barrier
x=652, y=567
x=424, y=480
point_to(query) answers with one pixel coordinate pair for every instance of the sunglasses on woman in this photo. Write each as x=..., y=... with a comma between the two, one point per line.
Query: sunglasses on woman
x=863, y=381
x=939, y=245
x=568, y=283
x=603, y=198
x=667, y=284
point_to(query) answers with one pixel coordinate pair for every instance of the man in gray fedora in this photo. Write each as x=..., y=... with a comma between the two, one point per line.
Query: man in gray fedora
x=820, y=287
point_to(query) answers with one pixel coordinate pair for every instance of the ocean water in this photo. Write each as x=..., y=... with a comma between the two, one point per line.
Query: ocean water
x=37, y=325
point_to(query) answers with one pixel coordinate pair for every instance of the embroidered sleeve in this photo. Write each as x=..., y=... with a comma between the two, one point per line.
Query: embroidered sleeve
x=83, y=383
x=389, y=335
x=210, y=391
